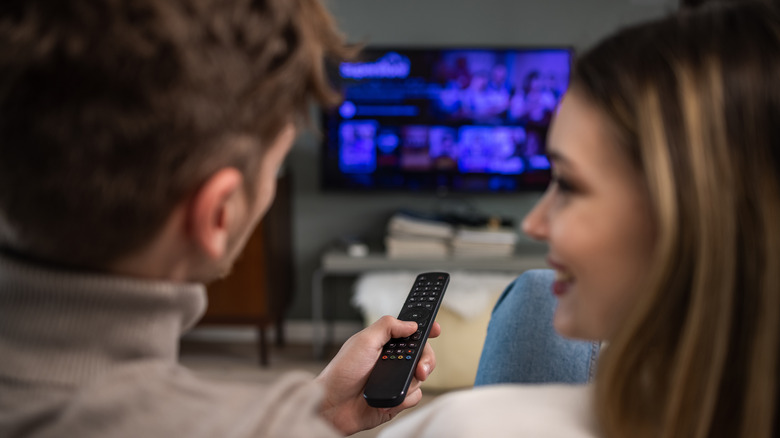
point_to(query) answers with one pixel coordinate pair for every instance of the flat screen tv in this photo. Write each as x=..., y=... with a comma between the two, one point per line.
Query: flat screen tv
x=461, y=120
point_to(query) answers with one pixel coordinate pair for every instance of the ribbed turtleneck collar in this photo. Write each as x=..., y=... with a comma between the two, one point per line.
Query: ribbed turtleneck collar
x=66, y=327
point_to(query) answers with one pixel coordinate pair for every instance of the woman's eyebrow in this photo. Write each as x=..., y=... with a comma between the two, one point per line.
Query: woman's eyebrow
x=555, y=156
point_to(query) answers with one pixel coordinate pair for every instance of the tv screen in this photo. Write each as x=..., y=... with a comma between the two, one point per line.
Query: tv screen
x=443, y=119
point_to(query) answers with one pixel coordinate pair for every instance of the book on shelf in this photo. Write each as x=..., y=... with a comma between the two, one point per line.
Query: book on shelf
x=472, y=249
x=484, y=242
x=415, y=246
x=503, y=235
x=408, y=224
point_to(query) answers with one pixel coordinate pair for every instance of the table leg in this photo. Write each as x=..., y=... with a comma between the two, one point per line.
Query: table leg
x=318, y=340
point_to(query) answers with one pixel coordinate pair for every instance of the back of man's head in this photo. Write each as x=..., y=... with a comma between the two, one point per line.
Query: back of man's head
x=113, y=111
x=687, y=4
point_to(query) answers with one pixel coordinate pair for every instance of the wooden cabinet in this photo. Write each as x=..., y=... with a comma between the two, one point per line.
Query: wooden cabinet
x=259, y=289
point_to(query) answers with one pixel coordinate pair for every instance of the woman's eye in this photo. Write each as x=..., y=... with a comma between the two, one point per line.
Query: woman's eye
x=562, y=185
x=565, y=186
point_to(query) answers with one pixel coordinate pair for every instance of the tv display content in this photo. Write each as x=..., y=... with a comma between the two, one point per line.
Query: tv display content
x=444, y=119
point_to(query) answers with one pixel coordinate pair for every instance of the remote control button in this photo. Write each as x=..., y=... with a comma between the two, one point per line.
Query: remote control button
x=384, y=357
x=415, y=314
x=413, y=345
x=408, y=357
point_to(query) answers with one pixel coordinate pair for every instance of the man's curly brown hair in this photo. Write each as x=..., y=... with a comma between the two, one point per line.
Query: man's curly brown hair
x=113, y=111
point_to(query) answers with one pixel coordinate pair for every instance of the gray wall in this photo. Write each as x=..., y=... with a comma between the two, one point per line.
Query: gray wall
x=319, y=218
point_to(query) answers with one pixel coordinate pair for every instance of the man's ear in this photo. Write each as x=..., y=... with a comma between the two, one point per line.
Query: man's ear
x=214, y=209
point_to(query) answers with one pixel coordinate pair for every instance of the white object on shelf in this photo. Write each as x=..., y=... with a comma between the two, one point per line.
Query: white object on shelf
x=357, y=250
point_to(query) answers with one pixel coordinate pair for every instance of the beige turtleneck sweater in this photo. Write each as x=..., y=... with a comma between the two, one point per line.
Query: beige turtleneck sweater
x=85, y=355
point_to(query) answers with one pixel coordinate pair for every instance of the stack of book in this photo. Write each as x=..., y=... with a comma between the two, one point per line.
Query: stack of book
x=484, y=242
x=416, y=235
x=412, y=235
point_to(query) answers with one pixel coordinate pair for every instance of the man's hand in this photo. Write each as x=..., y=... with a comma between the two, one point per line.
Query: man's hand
x=346, y=375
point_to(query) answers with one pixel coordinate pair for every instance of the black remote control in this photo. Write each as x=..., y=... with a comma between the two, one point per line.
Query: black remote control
x=394, y=370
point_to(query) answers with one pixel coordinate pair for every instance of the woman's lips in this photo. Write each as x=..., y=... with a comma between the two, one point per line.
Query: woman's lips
x=563, y=279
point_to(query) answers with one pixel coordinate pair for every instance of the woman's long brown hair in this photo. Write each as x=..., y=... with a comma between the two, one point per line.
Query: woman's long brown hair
x=696, y=100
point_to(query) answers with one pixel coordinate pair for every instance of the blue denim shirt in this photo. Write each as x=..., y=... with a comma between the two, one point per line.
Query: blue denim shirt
x=521, y=344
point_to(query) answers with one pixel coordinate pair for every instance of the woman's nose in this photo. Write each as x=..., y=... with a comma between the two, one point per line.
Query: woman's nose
x=535, y=223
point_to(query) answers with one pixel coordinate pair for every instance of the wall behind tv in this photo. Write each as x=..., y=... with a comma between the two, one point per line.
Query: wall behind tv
x=320, y=219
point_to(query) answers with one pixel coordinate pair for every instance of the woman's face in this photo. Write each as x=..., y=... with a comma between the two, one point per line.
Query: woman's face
x=596, y=218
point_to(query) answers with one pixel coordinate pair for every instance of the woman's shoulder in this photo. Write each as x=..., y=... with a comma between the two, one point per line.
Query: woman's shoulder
x=503, y=410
